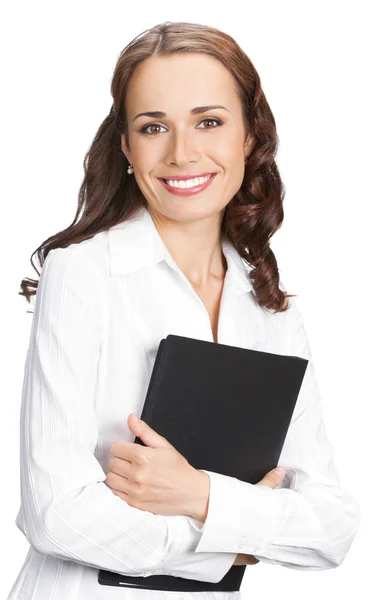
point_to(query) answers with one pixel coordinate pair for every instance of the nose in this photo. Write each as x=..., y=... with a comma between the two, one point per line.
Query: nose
x=182, y=148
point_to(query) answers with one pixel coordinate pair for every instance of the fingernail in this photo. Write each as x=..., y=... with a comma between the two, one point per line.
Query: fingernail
x=279, y=471
x=135, y=417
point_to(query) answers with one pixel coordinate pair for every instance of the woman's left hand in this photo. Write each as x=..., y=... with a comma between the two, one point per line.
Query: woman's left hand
x=155, y=477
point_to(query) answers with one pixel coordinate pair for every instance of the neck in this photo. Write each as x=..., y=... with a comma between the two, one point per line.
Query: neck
x=195, y=246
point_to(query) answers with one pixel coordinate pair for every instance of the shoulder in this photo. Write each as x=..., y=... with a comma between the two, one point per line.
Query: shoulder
x=88, y=260
x=290, y=317
x=281, y=326
x=79, y=269
x=87, y=254
x=288, y=330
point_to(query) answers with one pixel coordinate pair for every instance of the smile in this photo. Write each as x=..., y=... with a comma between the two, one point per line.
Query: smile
x=188, y=186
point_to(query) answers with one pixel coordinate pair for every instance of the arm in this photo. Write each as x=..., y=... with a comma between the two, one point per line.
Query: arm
x=309, y=525
x=66, y=509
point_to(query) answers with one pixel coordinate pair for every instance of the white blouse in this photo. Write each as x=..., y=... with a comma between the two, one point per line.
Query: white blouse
x=101, y=309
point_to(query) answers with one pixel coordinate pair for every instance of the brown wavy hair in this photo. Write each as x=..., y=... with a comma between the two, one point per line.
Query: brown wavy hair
x=107, y=195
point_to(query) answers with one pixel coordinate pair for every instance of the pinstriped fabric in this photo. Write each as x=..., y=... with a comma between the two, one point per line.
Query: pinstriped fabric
x=102, y=307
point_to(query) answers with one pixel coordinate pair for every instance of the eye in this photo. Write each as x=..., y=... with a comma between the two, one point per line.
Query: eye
x=217, y=121
x=144, y=130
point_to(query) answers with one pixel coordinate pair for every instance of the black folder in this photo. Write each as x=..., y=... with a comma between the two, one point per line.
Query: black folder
x=225, y=409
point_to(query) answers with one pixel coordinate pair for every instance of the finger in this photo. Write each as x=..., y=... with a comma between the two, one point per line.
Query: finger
x=121, y=495
x=126, y=450
x=117, y=482
x=149, y=436
x=272, y=479
x=120, y=466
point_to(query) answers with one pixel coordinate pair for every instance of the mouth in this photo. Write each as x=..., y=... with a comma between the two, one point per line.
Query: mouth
x=186, y=186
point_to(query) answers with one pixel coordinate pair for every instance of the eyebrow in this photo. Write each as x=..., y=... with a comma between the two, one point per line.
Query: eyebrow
x=158, y=114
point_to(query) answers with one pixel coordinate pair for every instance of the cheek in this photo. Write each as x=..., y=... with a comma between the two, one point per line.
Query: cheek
x=144, y=155
x=228, y=153
x=231, y=160
x=148, y=151
x=235, y=175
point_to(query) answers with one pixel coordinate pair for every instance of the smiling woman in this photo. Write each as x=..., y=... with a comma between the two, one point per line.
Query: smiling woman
x=187, y=103
x=180, y=198
x=196, y=150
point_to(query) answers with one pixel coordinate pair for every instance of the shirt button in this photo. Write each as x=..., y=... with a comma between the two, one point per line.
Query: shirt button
x=243, y=542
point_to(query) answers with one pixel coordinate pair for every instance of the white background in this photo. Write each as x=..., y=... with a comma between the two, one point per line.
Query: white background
x=324, y=74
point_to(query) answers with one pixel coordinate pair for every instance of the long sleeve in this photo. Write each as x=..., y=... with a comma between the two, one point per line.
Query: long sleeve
x=67, y=510
x=309, y=521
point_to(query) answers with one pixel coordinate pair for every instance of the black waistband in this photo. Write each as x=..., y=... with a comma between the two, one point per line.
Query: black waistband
x=231, y=582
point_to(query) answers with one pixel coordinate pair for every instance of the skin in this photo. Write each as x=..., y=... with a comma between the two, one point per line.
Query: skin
x=156, y=477
x=185, y=144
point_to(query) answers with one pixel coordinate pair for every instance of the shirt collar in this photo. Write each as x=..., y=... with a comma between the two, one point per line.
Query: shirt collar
x=135, y=244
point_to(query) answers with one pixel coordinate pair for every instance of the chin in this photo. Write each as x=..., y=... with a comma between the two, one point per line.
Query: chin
x=194, y=212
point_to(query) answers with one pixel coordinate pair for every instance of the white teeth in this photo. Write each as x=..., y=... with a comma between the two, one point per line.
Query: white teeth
x=188, y=183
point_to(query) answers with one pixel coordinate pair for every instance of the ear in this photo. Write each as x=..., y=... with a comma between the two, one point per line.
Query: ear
x=249, y=142
x=124, y=148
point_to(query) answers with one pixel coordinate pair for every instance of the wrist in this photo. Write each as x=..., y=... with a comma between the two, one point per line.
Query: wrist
x=199, y=497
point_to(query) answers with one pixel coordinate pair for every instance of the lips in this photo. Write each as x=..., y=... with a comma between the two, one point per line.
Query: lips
x=185, y=177
x=178, y=191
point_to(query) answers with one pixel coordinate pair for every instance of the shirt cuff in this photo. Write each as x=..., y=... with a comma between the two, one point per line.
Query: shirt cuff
x=242, y=517
x=196, y=524
x=181, y=559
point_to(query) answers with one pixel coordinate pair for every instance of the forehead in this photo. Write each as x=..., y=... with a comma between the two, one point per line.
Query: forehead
x=180, y=82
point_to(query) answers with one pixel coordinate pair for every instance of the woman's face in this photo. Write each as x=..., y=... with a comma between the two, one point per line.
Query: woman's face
x=181, y=143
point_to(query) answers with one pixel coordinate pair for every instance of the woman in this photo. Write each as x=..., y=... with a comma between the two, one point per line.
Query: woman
x=180, y=198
